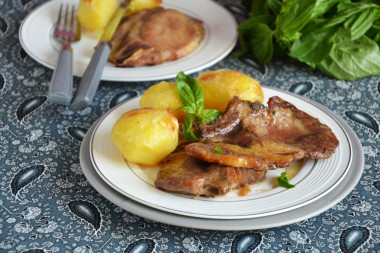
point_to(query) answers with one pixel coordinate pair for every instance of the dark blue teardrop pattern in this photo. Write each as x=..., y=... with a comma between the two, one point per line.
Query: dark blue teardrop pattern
x=141, y=246
x=237, y=10
x=86, y=211
x=301, y=88
x=353, y=238
x=25, y=177
x=77, y=133
x=34, y=251
x=22, y=53
x=253, y=64
x=3, y=25
x=122, y=97
x=29, y=106
x=363, y=119
x=376, y=184
x=245, y=243
x=25, y=2
x=2, y=82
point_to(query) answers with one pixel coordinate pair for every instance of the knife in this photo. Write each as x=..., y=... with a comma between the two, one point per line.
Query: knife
x=89, y=83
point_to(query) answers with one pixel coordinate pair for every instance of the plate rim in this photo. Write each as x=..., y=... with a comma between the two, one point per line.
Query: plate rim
x=329, y=188
x=108, y=75
x=292, y=216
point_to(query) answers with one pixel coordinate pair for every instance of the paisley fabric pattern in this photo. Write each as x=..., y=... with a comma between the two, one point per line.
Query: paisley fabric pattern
x=47, y=205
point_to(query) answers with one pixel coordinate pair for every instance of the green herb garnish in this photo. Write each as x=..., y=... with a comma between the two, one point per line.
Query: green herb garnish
x=218, y=150
x=340, y=38
x=283, y=181
x=191, y=96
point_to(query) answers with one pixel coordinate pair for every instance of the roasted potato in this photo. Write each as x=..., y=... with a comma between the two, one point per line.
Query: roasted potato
x=220, y=86
x=163, y=95
x=94, y=15
x=138, y=5
x=146, y=135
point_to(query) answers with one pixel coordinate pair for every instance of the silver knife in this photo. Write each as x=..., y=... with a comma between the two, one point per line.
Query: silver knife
x=89, y=83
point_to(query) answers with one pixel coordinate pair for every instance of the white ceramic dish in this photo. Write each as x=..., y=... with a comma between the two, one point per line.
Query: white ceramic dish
x=288, y=217
x=316, y=178
x=220, y=38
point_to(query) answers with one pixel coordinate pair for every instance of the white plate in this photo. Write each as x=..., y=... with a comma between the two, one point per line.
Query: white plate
x=314, y=180
x=281, y=219
x=220, y=38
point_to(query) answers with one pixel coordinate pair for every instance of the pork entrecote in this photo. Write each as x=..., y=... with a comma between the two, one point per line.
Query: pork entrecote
x=253, y=135
x=253, y=138
x=181, y=173
x=154, y=36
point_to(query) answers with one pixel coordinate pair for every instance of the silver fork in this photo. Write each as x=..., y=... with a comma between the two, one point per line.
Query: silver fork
x=61, y=87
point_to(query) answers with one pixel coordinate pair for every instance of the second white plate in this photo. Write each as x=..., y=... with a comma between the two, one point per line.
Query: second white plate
x=313, y=181
x=220, y=38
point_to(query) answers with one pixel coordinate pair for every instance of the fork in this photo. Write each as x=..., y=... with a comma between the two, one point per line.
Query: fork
x=65, y=31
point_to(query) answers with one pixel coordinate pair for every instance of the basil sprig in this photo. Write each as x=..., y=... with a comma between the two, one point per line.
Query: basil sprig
x=340, y=38
x=283, y=181
x=191, y=96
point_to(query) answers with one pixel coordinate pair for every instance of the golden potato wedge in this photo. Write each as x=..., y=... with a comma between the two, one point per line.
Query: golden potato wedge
x=94, y=15
x=220, y=86
x=145, y=136
x=138, y=5
x=163, y=95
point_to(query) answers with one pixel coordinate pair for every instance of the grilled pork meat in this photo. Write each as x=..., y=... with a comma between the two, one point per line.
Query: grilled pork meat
x=153, y=36
x=253, y=135
x=184, y=174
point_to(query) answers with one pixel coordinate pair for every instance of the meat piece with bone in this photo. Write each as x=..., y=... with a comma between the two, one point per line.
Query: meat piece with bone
x=259, y=137
x=184, y=174
x=154, y=36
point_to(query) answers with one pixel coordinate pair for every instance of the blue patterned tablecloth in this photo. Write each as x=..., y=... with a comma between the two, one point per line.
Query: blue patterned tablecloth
x=41, y=176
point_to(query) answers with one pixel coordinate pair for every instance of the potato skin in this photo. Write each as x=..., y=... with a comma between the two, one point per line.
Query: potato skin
x=220, y=86
x=163, y=95
x=146, y=135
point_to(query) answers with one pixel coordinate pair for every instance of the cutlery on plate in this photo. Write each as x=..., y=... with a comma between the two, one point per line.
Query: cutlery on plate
x=91, y=77
x=66, y=31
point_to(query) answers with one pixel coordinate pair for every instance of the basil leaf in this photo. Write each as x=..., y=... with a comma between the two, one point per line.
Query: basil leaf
x=294, y=15
x=185, y=93
x=198, y=94
x=283, y=181
x=209, y=115
x=188, y=109
x=322, y=6
x=191, y=92
x=247, y=4
x=218, y=150
x=187, y=131
x=314, y=47
x=347, y=10
x=261, y=44
x=349, y=60
x=274, y=6
x=361, y=23
x=259, y=7
x=247, y=26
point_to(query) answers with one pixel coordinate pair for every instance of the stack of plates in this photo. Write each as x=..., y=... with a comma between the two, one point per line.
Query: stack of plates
x=320, y=184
